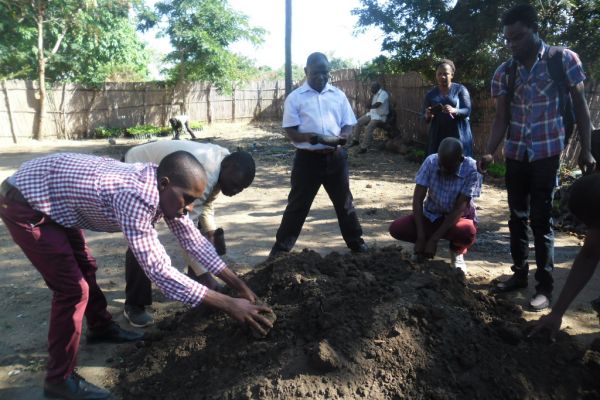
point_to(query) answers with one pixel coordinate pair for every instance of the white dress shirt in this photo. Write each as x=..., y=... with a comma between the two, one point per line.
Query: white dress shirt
x=325, y=113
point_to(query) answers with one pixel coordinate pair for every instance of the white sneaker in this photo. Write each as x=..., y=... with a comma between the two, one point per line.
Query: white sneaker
x=458, y=261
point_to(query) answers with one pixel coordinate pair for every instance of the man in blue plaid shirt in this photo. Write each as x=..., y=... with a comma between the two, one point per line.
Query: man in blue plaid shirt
x=528, y=108
x=443, y=208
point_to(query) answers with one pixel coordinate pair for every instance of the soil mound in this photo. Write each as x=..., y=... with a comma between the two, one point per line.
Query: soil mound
x=370, y=326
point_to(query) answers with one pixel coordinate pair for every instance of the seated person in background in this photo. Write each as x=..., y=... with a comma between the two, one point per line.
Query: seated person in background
x=378, y=110
x=226, y=173
x=442, y=205
x=178, y=123
x=583, y=203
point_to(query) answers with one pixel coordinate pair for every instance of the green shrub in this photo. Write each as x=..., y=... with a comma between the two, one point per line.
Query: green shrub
x=497, y=170
x=105, y=133
x=147, y=131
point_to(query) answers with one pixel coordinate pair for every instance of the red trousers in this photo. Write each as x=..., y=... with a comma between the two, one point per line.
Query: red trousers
x=63, y=258
x=461, y=236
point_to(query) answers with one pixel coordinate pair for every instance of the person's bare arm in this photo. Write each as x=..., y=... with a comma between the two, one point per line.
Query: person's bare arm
x=586, y=161
x=241, y=310
x=582, y=271
x=295, y=136
x=234, y=282
x=499, y=126
x=346, y=132
x=189, y=130
x=450, y=220
x=315, y=138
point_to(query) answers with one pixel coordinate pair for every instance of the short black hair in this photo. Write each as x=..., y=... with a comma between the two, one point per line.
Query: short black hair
x=243, y=161
x=523, y=13
x=448, y=62
x=584, y=198
x=315, y=57
x=182, y=168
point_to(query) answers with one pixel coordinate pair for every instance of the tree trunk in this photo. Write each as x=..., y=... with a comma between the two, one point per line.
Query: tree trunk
x=288, y=46
x=41, y=11
x=183, y=109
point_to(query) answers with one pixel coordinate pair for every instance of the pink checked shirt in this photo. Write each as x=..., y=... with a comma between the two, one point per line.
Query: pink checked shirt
x=102, y=194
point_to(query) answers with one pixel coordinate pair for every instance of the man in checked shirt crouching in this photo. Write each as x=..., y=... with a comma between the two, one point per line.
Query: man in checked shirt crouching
x=49, y=200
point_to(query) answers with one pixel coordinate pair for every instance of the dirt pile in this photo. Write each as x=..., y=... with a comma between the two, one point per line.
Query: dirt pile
x=371, y=326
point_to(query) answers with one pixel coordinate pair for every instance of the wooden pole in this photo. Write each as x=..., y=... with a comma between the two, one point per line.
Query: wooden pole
x=208, y=105
x=9, y=112
x=288, y=47
x=233, y=105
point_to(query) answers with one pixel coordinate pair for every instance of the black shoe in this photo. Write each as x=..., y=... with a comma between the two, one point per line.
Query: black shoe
x=75, y=388
x=362, y=151
x=114, y=334
x=515, y=282
x=354, y=143
x=361, y=248
x=137, y=316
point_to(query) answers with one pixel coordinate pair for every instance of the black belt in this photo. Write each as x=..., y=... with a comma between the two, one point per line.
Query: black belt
x=320, y=151
x=9, y=192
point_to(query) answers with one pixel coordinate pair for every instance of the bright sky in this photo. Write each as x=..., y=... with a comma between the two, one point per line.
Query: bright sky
x=317, y=25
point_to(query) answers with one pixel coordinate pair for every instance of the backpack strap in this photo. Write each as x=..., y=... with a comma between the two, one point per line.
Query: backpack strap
x=511, y=72
x=555, y=64
x=559, y=76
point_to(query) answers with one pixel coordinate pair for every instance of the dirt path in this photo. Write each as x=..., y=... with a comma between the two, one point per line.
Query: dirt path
x=382, y=185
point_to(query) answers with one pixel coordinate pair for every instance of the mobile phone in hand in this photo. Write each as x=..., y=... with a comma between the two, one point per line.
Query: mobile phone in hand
x=436, y=109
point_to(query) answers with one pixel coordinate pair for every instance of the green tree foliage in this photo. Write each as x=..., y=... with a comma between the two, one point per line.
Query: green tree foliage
x=85, y=43
x=200, y=32
x=418, y=33
x=340, y=63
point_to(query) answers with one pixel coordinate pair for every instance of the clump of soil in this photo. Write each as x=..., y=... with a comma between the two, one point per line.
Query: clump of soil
x=370, y=326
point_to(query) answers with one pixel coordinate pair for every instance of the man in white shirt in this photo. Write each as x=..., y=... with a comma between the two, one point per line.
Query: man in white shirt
x=178, y=123
x=226, y=172
x=374, y=118
x=317, y=118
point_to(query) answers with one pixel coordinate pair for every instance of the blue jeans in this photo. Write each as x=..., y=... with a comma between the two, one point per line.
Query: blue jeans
x=530, y=187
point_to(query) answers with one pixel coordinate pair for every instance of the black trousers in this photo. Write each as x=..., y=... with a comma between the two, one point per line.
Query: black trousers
x=309, y=172
x=530, y=187
x=138, y=288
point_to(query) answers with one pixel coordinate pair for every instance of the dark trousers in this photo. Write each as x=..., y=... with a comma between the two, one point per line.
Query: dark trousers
x=530, y=187
x=64, y=260
x=310, y=171
x=138, y=288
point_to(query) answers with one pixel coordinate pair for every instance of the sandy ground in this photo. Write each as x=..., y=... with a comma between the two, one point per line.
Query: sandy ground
x=382, y=185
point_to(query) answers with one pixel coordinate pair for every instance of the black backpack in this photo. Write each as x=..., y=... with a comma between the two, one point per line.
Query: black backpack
x=559, y=76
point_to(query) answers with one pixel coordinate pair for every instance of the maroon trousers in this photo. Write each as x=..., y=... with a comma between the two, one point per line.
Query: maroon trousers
x=461, y=236
x=63, y=258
